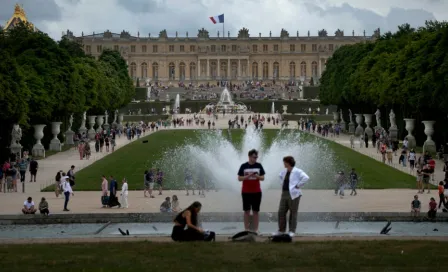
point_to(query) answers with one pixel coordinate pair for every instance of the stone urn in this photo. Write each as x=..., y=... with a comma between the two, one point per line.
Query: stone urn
x=410, y=123
x=368, y=120
x=359, y=131
x=120, y=121
x=285, y=109
x=335, y=117
x=429, y=144
x=55, y=143
x=99, y=122
x=91, y=133
x=106, y=122
x=38, y=149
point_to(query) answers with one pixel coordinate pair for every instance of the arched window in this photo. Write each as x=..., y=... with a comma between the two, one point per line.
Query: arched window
x=303, y=69
x=213, y=69
x=223, y=72
x=192, y=70
x=171, y=71
x=276, y=71
x=292, y=70
x=144, y=68
x=255, y=70
x=182, y=71
x=234, y=68
x=314, y=68
x=133, y=71
x=155, y=70
x=265, y=70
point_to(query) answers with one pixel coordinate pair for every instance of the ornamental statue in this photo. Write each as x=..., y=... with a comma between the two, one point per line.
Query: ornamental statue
x=377, y=33
x=107, y=34
x=163, y=34
x=243, y=33
x=16, y=135
x=322, y=33
x=125, y=35
x=339, y=33
x=203, y=33
x=284, y=33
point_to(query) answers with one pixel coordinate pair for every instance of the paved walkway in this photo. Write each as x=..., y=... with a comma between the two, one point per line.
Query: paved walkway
x=222, y=201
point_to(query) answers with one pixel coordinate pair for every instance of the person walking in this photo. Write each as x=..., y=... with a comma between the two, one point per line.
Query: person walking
x=353, y=182
x=292, y=180
x=113, y=200
x=67, y=191
x=33, y=169
x=124, y=193
x=250, y=174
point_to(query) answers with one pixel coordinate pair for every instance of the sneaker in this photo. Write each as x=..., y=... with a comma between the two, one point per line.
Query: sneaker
x=291, y=233
x=277, y=233
x=66, y=210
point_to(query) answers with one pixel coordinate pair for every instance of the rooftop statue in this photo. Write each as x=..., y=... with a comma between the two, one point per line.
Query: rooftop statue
x=125, y=34
x=203, y=33
x=243, y=33
x=322, y=33
x=107, y=34
x=339, y=33
x=163, y=34
x=284, y=33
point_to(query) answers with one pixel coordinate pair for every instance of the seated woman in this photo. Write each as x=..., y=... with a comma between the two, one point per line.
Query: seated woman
x=166, y=205
x=43, y=207
x=189, y=218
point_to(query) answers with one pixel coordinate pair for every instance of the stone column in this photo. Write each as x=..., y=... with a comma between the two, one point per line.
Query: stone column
x=368, y=121
x=208, y=69
x=91, y=131
x=359, y=130
x=219, y=70
x=429, y=145
x=320, y=68
x=55, y=143
x=38, y=149
x=410, y=127
x=229, y=73
x=239, y=74
x=198, y=66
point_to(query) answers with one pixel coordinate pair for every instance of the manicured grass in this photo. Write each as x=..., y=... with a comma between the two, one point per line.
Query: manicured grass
x=299, y=256
x=133, y=159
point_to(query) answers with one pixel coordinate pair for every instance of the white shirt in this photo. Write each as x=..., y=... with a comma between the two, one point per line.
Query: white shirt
x=28, y=204
x=124, y=188
x=66, y=185
x=297, y=179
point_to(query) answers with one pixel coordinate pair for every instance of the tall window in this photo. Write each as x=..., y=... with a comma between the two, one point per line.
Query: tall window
x=144, y=67
x=213, y=48
x=143, y=48
x=303, y=69
x=314, y=47
x=292, y=48
x=192, y=48
x=171, y=70
x=155, y=70
x=330, y=47
x=223, y=48
x=182, y=71
x=303, y=47
x=275, y=47
x=171, y=48
x=276, y=74
x=314, y=68
x=182, y=48
x=133, y=68
x=233, y=48
x=265, y=48
x=254, y=70
x=265, y=70
x=99, y=48
x=193, y=71
x=132, y=48
x=116, y=47
x=88, y=49
x=292, y=70
x=154, y=48
x=254, y=48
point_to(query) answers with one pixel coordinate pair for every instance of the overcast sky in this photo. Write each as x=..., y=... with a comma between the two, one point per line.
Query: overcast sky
x=151, y=16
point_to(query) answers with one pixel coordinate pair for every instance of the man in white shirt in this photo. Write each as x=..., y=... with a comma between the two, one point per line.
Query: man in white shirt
x=67, y=189
x=292, y=179
x=28, y=206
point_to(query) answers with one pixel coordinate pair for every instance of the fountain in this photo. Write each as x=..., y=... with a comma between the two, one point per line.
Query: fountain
x=273, y=108
x=226, y=104
x=176, y=106
x=219, y=160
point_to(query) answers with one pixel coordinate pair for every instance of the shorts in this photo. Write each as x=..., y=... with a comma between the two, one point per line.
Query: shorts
x=426, y=180
x=412, y=163
x=33, y=172
x=251, y=201
x=189, y=181
x=149, y=185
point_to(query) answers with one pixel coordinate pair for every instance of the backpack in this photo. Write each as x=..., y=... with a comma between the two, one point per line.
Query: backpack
x=244, y=236
x=148, y=176
x=281, y=238
x=1, y=173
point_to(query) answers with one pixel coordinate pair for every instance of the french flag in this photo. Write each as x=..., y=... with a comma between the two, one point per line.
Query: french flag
x=217, y=19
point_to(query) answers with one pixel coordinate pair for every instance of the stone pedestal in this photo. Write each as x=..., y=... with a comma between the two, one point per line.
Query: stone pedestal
x=120, y=121
x=17, y=150
x=351, y=128
x=91, y=133
x=368, y=120
x=55, y=143
x=69, y=137
x=99, y=122
x=106, y=127
x=38, y=149
x=343, y=126
x=359, y=131
x=410, y=127
x=429, y=144
x=285, y=109
x=335, y=117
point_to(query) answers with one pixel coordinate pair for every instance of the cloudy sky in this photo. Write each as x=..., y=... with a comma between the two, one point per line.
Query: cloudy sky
x=260, y=16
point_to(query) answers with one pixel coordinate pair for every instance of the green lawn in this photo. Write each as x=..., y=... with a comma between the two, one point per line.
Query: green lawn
x=300, y=256
x=133, y=159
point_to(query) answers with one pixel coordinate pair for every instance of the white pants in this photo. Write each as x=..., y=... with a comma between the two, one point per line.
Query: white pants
x=124, y=200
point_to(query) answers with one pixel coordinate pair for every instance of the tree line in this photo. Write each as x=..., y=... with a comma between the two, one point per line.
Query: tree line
x=42, y=81
x=406, y=71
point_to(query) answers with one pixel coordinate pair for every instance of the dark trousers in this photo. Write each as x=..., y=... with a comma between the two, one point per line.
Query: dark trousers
x=180, y=234
x=291, y=205
x=67, y=198
x=432, y=214
x=442, y=200
x=44, y=211
x=22, y=176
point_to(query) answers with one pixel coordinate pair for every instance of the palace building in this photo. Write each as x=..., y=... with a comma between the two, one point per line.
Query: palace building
x=18, y=17
x=204, y=58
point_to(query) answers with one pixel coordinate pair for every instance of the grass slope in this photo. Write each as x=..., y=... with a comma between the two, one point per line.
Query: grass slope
x=300, y=256
x=133, y=159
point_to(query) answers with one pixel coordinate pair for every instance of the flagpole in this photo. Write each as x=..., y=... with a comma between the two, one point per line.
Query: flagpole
x=223, y=33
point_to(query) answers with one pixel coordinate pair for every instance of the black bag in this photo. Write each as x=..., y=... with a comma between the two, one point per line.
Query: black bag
x=209, y=236
x=281, y=238
x=244, y=236
x=105, y=200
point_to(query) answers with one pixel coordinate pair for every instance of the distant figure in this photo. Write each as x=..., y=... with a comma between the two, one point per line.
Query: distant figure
x=165, y=207
x=432, y=209
x=43, y=207
x=353, y=182
x=175, y=206
x=415, y=207
x=28, y=206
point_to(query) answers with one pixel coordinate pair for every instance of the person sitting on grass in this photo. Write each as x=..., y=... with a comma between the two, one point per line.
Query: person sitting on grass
x=28, y=206
x=415, y=207
x=189, y=218
x=43, y=207
x=432, y=209
x=166, y=205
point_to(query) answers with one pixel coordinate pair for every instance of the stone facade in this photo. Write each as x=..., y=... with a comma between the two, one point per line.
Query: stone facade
x=202, y=58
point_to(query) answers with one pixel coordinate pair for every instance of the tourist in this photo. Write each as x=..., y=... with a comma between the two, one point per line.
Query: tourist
x=1, y=178
x=353, y=182
x=432, y=209
x=104, y=188
x=9, y=174
x=441, y=190
x=426, y=172
x=107, y=142
x=166, y=205
x=57, y=183
x=149, y=183
x=160, y=180
x=366, y=140
x=411, y=159
x=113, y=187
x=124, y=193
x=250, y=174
x=201, y=183
x=432, y=166
x=67, y=189
x=81, y=148
x=112, y=143
x=71, y=176
x=28, y=206
x=23, y=166
x=15, y=177
x=352, y=141
x=175, y=206
x=87, y=151
x=340, y=184
x=43, y=207
x=420, y=181
x=389, y=153
x=415, y=207
x=188, y=181
x=293, y=179
x=33, y=169
x=189, y=218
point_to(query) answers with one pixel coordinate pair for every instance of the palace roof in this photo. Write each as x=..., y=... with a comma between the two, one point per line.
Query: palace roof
x=18, y=17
